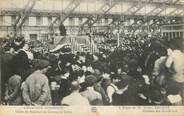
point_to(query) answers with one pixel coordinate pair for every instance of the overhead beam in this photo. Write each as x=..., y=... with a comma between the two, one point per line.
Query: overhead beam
x=160, y=7
x=162, y=10
x=172, y=12
x=138, y=7
x=156, y=4
x=172, y=4
x=179, y=13
x=25, y=14
x=128, y=10
x=104, y=9
x=21, y=12
x=66, y=13
x=80, y=14
x=166, y=6
x=135, y=7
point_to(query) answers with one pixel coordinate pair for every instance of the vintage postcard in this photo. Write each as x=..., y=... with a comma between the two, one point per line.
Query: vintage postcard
x=92, y=57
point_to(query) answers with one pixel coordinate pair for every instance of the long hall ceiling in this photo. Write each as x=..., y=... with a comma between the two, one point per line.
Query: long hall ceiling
x=170, y=8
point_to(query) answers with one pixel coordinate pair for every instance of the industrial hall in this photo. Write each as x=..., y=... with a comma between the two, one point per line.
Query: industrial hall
x=91, y=52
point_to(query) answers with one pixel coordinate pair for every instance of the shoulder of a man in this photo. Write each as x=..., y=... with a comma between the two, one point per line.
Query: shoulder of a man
x=36, y=76
x=98, y=95
x=15, y=79
x=83, y=93
x=65, y=100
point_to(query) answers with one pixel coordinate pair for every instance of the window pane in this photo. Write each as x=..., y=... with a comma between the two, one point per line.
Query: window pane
x=80, y=20
x=39, y=20
x=1, y=20
x=106, y=20
x=49, y=20
x=13, y=19
x=174, y=35
x=27, y=21
x=33, y=37
x=181, y=34
x=71, y=21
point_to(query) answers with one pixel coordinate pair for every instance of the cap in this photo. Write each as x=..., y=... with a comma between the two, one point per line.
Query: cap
x=90, y=80
x=42, y=64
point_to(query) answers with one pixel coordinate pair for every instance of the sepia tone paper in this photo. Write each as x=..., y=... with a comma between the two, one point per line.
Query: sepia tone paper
x=92, y=111
x=79, y=110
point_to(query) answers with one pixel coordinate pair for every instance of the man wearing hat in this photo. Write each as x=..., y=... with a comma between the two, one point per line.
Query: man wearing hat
x=93, y=96
x=35, y=89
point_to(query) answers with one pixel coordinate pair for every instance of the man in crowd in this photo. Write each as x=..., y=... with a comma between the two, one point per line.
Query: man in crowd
x=75, y=97
x=6, y=69
x=175, y=64
x=98, y=87
x=113, y=89
x=64, y=89
x=13, y=92
x=35, y=89
x=21, y=61
x=93, y=96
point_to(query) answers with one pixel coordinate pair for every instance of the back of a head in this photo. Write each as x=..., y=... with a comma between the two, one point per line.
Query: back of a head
x=75, y=86
x=41, y=64
x=90, y=80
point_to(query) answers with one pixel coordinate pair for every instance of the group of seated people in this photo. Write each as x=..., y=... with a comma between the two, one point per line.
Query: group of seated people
x=30, y=78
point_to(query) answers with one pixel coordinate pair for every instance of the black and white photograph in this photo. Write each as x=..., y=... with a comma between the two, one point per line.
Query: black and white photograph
x=91, y=53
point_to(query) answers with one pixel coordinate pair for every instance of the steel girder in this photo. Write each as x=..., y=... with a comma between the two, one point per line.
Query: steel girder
x=171, y=3
x=104, y=9
x=24, y=15
x=164, y=6
x=159, y=7
x=138, y=5
x=135, y=8
x=78, y=14
x=65, y=14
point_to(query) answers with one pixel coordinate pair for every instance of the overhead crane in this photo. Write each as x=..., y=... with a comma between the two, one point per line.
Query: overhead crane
x=65, y=14
x=154, y=11
x=163, y=8
x=22, y=17
x=157, y=4
x=137, y=5
x=104, y=9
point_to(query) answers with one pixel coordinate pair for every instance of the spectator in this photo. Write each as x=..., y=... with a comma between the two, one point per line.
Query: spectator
x=35, y=89
x=7, y=69
x=64, y=89
x=98, y=87
x=21, y=62
x=13, y=92
x=93, y=96
x=175, y=64
x=113, y=89
x=75, y=98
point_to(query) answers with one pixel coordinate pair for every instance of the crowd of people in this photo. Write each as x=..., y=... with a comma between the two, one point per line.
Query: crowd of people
x=110, y=77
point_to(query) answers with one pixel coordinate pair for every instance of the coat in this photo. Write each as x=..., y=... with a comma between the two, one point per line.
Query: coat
x=6, y=70
x=93, y=96
x=36, y=90
x=14, y=91
x=21, y=63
